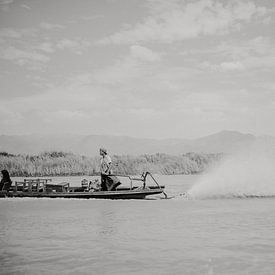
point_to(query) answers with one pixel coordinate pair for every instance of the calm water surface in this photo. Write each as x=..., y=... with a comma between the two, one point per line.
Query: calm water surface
x=175, y=236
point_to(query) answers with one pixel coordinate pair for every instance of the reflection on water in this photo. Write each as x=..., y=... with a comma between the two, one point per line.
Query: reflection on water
x=176, y=236
x=107, y=225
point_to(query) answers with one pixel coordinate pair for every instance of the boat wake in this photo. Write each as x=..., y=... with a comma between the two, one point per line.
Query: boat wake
x=188, y=196
x=249, y=174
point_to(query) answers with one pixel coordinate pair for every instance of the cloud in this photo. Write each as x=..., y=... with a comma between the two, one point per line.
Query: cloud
x=24, y=6
x=10, y=115
x=65, y=115
x=59, y=106
x=232, y=66
x=22, y=57
x=5, y=5
x=47, y=47
x=75, y=45
x=243, y=48
x=12, y=33
x=26, y=45
x=159, y=98
x=143, y=53
x=207, y=105
x=167, y=23
x=91, y=17
x=135, y=65
x=49, y=26
x=257, y=53
x=19, y=47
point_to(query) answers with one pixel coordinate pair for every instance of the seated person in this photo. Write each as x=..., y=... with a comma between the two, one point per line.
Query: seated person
x=95, y=185
x=5, y=182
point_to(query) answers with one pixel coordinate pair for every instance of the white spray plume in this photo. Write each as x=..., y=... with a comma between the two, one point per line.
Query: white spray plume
x=249, y=173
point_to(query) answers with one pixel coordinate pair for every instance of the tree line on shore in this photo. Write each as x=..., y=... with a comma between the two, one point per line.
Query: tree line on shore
x=67, y=164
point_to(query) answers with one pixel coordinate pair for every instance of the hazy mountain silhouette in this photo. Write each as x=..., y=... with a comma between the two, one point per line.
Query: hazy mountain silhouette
x=225, y=141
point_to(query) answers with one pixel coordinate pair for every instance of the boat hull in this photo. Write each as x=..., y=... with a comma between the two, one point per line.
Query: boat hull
x=126, y=194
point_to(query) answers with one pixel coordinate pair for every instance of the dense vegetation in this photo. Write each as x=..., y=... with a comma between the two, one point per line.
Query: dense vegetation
x=67, y=164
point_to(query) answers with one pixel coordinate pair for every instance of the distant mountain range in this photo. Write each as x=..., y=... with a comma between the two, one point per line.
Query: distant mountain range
x=221, y=142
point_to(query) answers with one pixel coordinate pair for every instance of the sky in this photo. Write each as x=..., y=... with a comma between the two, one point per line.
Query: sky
x=140, y=68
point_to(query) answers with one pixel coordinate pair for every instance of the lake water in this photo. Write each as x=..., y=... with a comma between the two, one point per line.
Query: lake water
x=219, y=234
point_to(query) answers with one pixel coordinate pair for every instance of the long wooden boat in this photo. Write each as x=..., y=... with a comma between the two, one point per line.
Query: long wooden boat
x=41, y=188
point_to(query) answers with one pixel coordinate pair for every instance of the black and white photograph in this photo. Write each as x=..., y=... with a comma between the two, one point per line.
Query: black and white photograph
x=137, y=137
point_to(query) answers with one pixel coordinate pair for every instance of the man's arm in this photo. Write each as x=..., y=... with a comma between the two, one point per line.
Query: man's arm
x=109, y=165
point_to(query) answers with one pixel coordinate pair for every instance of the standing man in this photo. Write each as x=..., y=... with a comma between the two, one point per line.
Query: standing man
x=109, y=182
x=105, y=168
